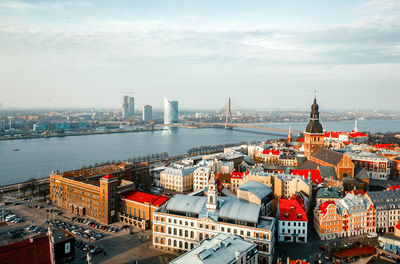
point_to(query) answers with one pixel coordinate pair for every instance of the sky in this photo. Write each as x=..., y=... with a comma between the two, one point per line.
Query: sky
x=262, y=54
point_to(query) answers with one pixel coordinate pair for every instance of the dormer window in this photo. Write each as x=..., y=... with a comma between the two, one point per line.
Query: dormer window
x=286, y=215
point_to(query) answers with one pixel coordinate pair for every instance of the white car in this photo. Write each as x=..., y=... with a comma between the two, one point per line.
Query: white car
x=372, y=235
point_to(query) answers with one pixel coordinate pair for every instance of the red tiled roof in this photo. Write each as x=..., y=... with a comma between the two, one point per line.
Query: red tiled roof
x=324, y=206
x=298, y=199
x=357, y=134
x=109, y=176
x=146, y=198
x=353, y=252
x=393, y=188
x=315, y=175
x=25, y=251
x=298, y=261
x=238, y=175
x=271, y=152
x=290, y=210
x=332, y=134
x=385, y=146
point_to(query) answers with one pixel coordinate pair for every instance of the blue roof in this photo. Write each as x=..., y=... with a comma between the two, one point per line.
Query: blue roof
x=223, y=248
x=186, y=203
x=228, y=208
x=257, y=188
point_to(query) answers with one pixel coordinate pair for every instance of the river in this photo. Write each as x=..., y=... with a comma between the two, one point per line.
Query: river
x=37, y=157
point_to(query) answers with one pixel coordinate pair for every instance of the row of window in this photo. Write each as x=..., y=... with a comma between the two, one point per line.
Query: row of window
x=294, y=231
x=294, y=224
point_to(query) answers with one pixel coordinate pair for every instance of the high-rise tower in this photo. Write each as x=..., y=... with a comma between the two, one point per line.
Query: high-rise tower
x=125, y=103
x=171, y=113
x=147, y=113
x=131, y=106
x=314, y=134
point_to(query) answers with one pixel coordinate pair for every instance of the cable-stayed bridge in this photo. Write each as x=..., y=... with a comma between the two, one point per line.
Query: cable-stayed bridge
x=229, y=124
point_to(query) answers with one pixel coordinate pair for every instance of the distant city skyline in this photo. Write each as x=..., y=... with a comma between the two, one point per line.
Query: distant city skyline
x=262, y=54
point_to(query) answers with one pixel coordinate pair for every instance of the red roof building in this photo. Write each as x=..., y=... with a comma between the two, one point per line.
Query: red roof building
x=355, y=252
x=324, y=206
x=385, y=146
x=109, y=176
x=137, y=208
x=292, y=224
x=35, y=251
x=274, y=152
x=238, y=175
x=315, y=175
x=393, y=188
x=298, y=261
x=145, y=198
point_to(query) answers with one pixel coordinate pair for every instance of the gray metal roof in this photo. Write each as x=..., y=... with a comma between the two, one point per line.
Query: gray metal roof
x=334, y=192
x=257, y=188
x=385, y=200
x=179, y=171
x=221, y=249
x=228, y=208
x=186, y=203
x=360, y=173
x=239, y=210
x=329, y=156
x=327, y=172
x=353, y=203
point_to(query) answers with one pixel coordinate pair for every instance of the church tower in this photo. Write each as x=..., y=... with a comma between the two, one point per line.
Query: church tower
x=314, y=134
x=212, y=195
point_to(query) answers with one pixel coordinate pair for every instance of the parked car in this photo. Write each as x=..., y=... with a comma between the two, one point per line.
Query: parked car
x=97, y=251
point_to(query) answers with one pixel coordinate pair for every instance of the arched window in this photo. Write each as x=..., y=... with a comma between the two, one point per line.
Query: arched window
x=162, y=229
x=186, y=233
x=192, y=234
x=162, y=240
x=156, y=228
x=264, y=248
x=186, y=245
x=169, y=242
x=174, y=243
x=134, y=211
x=201, y=236
x=211, y=199
x=156, y=239
x=191, y=245
x=180, y=244
x=175, y=232
x=180, y=232
x=169, y=230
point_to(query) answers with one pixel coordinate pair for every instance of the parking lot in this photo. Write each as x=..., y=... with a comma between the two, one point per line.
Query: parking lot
x=109, y=244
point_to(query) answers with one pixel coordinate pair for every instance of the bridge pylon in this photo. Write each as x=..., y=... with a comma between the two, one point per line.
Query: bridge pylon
x=228, y=120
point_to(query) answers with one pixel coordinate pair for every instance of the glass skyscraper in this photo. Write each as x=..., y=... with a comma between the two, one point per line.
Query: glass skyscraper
x=171, y=114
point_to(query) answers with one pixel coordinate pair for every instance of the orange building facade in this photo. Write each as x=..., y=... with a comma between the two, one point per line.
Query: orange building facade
x=92, y=192
x=350, y=216
x=137, y=208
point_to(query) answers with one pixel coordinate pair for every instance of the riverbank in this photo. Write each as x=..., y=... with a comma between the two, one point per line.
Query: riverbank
x=80, y=133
